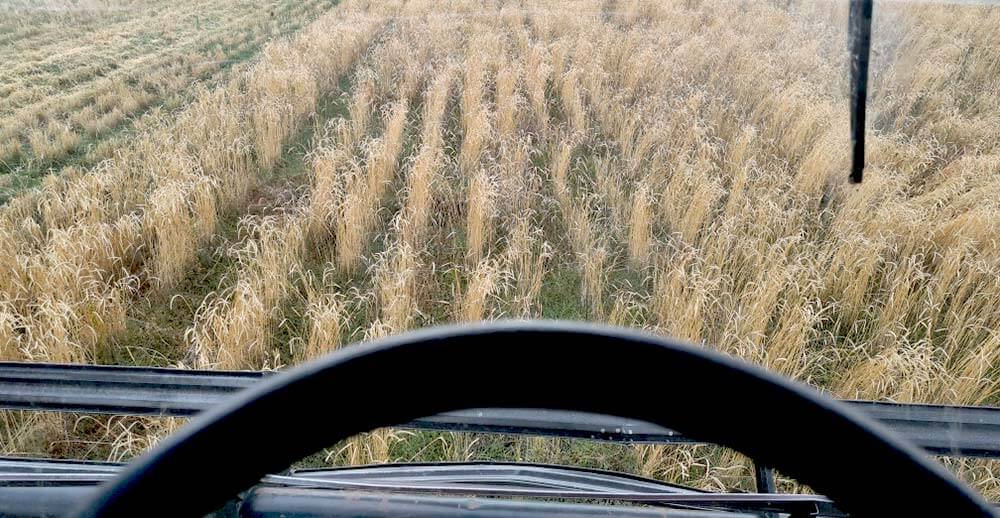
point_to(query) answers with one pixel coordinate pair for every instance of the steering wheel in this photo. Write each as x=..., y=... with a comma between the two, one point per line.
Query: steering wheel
x=546, y=365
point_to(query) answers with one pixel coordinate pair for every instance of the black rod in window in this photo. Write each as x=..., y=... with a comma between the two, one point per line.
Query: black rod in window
x=860, y=33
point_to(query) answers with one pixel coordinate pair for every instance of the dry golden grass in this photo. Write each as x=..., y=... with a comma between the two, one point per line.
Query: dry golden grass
x=395, y=284
x=640, y=227
x=84, y=69
x=326, y=314
x=672, y=166
x=526, y=255
x=140, y=218
x=480, y=210
x=482, y=285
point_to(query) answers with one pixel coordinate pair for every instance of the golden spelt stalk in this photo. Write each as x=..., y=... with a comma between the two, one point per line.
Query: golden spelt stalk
x=640, y=228
x=480, y=215
x=481, y=286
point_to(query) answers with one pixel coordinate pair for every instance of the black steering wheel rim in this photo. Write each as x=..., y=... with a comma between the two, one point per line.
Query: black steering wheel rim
x=554, y=365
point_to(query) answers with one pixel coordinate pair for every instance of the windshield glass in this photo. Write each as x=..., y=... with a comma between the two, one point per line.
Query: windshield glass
x=246, y=185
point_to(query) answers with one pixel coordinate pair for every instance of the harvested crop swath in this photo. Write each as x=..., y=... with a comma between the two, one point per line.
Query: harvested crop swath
x=89, y=76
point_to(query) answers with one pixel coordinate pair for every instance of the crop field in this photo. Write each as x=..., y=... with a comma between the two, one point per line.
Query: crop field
x=80, y=75
x=374, y=167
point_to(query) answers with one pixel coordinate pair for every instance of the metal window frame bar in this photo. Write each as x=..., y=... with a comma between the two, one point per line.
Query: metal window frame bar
x=941, y=430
